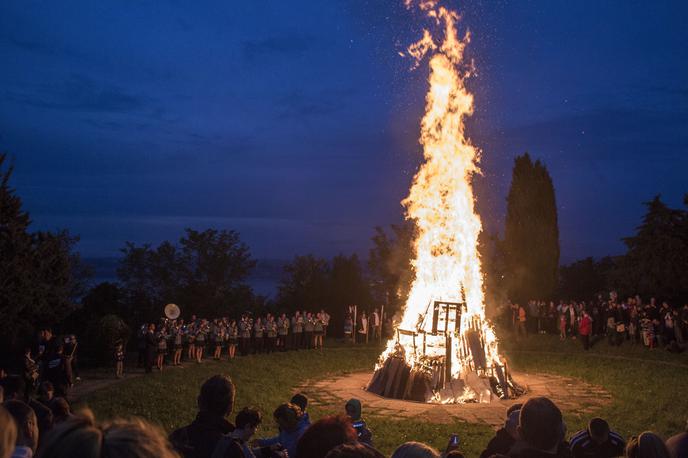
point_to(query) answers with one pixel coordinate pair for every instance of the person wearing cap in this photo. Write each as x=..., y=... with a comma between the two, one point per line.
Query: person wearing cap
x=597, y=440
x=506, y=436
x=301, y=400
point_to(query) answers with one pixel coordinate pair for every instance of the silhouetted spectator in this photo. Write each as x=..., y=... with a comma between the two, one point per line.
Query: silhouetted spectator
x=324, y=435
x=541, y=430
x=14, y=390
x=27, y=428
x=678, y=444
x=597, y=440
x=8, y=433
x=647, y=445
x=415, y=450
x=81, y=437
x=61, y=410
x=506, y=436
x=236, y=443
x=215, y=403
x=353, y=410
x=302, y=401
x=288, y=418
x=353, y=451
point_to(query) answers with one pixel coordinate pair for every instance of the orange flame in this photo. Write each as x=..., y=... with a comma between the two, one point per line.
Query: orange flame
x=441, y=201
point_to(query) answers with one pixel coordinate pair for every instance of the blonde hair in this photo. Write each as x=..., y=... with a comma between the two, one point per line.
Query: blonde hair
x=8, y=433
x=81, y=437
x=415, y=450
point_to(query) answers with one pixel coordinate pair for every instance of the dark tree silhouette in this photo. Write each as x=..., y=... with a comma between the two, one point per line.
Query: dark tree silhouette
x=656, y=262
x=531, y=236
x=389, y=264
x=41, y=277
x=205, y=274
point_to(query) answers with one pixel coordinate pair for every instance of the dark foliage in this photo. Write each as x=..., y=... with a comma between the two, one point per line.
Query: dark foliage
x=41, y=276
x=584, y=279
x=205, y=274
x=531, y=236
x=656, y=263
x=313, y=283
x=389, y=264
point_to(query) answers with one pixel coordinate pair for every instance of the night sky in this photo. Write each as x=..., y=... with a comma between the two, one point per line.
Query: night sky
x=296, y=122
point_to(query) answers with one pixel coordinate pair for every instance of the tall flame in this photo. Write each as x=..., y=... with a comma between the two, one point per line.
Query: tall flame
x=441, y=202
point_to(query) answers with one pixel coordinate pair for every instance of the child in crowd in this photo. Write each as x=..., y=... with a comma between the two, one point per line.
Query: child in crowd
x=119, y=360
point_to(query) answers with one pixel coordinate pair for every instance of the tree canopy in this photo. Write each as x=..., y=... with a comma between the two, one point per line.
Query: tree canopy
x=41, y=275
x=205, y=273
x=656, y=263
x=531, y=235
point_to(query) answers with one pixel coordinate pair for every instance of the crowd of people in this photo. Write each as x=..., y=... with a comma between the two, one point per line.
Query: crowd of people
x=532, y=429
x=51, y=359
x=619, y=321
x=171, y=342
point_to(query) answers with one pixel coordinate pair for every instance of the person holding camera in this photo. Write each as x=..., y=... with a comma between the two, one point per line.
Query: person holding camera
x=291, y=428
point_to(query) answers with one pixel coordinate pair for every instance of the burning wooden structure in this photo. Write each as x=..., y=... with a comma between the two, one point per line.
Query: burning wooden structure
x=438, y=361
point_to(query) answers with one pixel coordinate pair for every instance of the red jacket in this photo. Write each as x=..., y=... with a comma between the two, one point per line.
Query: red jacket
x=585, y=326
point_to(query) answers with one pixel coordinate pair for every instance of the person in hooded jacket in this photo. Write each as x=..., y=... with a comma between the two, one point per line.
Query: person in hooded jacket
x=353, y=410
x=506, y=436
x=288, y=418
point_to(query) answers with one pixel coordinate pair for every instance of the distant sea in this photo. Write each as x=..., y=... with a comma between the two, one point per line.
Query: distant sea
x=264, y=278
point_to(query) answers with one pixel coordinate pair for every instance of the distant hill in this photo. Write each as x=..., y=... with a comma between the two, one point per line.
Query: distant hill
x=264, y=278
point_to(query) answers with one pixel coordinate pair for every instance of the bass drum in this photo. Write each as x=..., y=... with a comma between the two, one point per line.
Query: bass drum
x=172, y=311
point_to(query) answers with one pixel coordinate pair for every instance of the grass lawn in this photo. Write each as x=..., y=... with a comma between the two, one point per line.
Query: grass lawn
x=646, y=386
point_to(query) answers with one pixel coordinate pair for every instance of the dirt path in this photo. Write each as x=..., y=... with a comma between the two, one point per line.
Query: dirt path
x=93, y=380
x=568, y=393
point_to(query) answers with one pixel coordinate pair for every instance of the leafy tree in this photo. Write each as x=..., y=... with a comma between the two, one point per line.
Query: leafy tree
x=40, y=275
x=531, y=236
x=348, y=285
x=205, y=274
x=656, y=263
x=304, y=284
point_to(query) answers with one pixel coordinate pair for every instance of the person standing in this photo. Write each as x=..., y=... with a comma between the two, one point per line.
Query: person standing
x=318, y=331
x=233, y=336
x=522, y=317
x=245, y=334
x=376, y=324
x=297, y=331
x=348, y=328
x=178, y=336
x=282, y=332
x=326, y=321
x=585, y=329
x=119, y=360
x=258, y=334
x=56, y=371
x=162, y=348
x=31, y=372
x=271, y=330
x=151, y=347
x=308, y=330
x=363, y=331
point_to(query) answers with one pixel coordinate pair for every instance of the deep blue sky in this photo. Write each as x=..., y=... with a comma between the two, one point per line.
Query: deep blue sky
x=296, y=122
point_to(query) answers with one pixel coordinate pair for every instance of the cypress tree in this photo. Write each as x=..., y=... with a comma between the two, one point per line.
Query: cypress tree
x=531, y=236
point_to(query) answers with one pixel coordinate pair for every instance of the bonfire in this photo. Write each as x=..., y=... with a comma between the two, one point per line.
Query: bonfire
x=444, y=349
